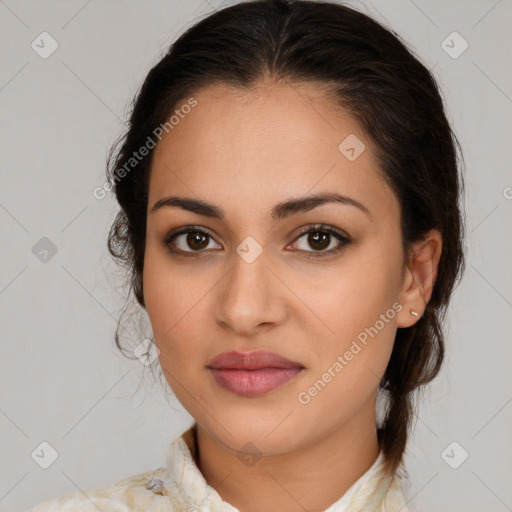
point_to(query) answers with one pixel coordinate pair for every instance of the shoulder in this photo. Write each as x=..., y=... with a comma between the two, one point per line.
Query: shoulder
x=137, y=492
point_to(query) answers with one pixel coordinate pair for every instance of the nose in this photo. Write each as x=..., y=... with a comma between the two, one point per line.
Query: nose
x=251, y=298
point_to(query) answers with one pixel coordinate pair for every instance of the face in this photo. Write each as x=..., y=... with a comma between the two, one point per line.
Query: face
x=261, y=268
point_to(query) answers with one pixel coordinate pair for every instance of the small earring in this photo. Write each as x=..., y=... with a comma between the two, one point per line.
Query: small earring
x=413, y=312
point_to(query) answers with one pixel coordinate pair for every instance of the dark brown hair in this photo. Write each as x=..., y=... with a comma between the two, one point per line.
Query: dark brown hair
x=371, y=73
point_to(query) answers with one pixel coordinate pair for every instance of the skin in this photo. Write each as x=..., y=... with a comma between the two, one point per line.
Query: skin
x=246, y=151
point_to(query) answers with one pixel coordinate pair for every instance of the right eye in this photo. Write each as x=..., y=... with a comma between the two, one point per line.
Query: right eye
x=196, y=239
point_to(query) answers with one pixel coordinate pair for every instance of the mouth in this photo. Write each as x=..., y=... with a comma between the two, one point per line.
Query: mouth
x=254, y=373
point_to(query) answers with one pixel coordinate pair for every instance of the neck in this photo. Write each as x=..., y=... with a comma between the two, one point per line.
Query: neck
x=311, y=478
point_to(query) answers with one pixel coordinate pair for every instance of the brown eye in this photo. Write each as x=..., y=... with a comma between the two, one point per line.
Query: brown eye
x=319, y=240
x=196, y=241
x=189, y=240
x=323, y=239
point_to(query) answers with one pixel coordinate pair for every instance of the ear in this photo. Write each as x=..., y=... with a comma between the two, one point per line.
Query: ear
x=419, y=277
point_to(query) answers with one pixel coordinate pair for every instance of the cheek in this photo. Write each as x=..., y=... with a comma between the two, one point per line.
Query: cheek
x=175, y=309
x=358, y=303
x=349, y=365
x=354, y=296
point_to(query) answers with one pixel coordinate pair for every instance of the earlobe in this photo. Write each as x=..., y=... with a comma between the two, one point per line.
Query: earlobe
x=421, y=273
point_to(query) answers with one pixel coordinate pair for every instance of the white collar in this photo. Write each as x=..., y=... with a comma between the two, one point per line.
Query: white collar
x=183, y=482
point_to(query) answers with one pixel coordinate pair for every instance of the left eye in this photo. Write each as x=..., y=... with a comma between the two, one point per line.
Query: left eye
x=322, y=239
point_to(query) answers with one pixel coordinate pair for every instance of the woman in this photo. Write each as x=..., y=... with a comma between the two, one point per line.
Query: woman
x=289, y=193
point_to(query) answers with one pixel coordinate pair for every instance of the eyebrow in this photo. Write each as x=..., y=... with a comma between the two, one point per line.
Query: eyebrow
x=278, y=212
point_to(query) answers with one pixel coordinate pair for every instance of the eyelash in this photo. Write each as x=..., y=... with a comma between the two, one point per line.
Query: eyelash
x=311, y=228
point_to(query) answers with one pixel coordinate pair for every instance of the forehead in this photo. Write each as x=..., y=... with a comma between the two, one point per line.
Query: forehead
x=252, y=147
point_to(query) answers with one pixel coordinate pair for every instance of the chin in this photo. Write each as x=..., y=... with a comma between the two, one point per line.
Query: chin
x=264, y=434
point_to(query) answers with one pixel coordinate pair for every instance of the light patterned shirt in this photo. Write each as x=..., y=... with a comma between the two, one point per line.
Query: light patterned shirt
x=181, y=487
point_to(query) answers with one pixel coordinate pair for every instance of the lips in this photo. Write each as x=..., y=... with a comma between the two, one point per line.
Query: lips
x=251, y=361
x=254, y=373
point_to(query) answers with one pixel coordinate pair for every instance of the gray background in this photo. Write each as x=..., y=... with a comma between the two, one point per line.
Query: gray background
x=62, y=379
